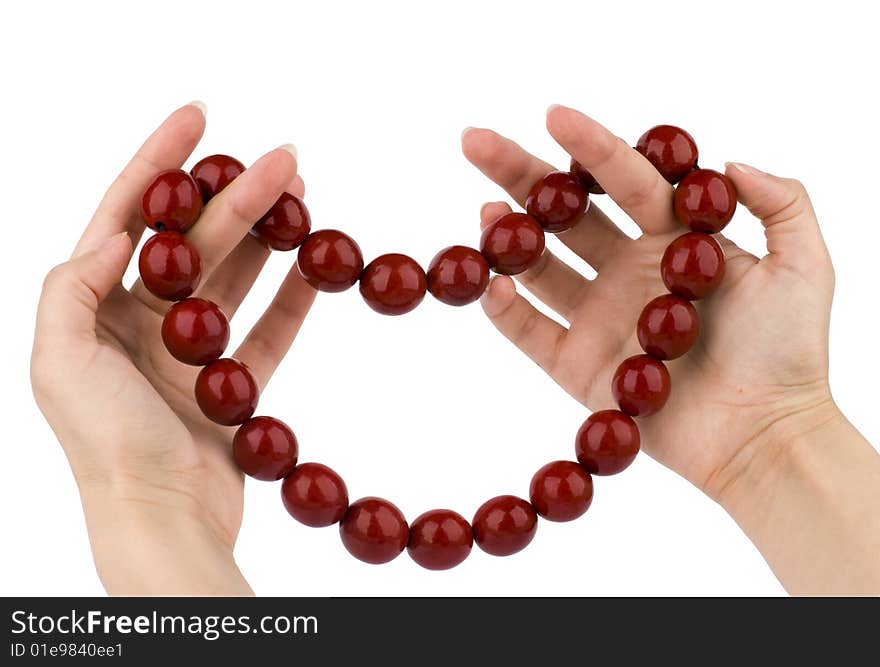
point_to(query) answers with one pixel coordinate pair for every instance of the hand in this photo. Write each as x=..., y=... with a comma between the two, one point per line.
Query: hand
x=162, y=496
x=761, y=361
x=751, y=420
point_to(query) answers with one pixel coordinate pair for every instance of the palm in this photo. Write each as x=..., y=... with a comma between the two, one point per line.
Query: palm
x=602, y=332
x=729, y=387
x=155, y=392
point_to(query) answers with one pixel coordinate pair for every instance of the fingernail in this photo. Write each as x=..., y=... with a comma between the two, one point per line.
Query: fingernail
x=744, y=168
x=552, y=107
x=201, y=106
x=290, y=148
x=465, y=131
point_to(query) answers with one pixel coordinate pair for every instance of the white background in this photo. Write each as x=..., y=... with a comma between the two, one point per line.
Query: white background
x=435, y=408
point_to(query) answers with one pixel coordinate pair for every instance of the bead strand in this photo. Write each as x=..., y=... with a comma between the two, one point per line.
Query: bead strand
x=196, y=332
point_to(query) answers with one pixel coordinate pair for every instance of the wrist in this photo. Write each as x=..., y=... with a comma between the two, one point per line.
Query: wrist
x=807, y=492
x=144, y=547
x=777, y=450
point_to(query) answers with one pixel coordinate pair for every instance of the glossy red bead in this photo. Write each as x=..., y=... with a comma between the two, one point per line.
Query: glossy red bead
x=692, y=266
x=557, y=201
x=227, y=392
x=374, y=530
x=169, y=266
x=330, y=261
x=668, y=326
x=458, y=275
x=513, y=243
x=641, y=385
x=172, y=202
x=214, y=173
x=585, y=178
x=504, y=525
x=265, y=448
x=607, y=442
x=671, y=150
x=195, y=331
x=286, y=225
x=705, y=201
x=440, y=539
x=561, y=491
x=315, y=495
x=393, y=284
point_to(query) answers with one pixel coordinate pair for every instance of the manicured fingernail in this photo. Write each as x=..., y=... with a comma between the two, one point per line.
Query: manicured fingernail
x=465, y=131
x=290, y=148
x=201, y=106
x=553, y=106
x=744, y=168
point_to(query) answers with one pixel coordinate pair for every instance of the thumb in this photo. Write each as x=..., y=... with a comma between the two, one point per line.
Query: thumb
x=784, y=208
x=72, y=291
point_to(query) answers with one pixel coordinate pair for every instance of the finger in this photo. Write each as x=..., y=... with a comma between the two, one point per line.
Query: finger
x=233, y=279
x=503, y=161
x=551, y=280
x=73, y=291
x=785, y=210
x=535, y=334
x=625, y=175
x=229, y=216
x=271, y=337
x=167, y=148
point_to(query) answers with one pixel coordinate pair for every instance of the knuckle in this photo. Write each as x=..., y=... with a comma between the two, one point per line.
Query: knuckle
x=643, y=194
x=796, y=186
x=527, y=328
x=57, y=275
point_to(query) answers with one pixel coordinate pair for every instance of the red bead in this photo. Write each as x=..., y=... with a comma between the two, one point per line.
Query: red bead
x=285, y=225
x=330, y=261
x=227, y=392
x=557, y=201
x=214, y=173
x=458, y=275
x=641, y=385
x=440, y=539
x=671, y=150
x=374, y=530
x=504, y=525
x=265, y=448
x=607, y=442
x=169, y=266
x=195, y=331
x=512, y=243
x=393, y=284
x=561, y=491
x=315, y=495
x=705, y=201
x=172, y=202
x=692, y=266
x=668, y=326
x=585, y=178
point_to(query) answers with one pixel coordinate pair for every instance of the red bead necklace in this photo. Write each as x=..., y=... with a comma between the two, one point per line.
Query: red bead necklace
x=196, y=332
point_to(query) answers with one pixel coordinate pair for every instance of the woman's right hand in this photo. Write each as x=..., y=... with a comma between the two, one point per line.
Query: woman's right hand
x=753, y=386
